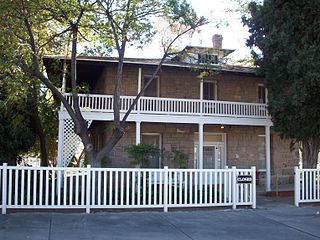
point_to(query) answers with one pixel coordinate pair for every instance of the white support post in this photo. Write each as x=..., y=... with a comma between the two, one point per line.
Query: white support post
x=88, y=189
x=296, y=186
x=254, y=193
x=60, y=143
x=234, y=187
x=200, y=146
x=268, y=159
x=165, y=189
x=138, y=134
x=4, y=188
x=139, y=80
x=201, y=96
x=139, y=89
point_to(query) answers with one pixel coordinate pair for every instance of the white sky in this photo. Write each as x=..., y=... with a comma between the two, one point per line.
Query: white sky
x=218, y=11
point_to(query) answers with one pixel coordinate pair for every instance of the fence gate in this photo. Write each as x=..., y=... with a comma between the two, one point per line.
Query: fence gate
x=306, y=185
x=92, y=188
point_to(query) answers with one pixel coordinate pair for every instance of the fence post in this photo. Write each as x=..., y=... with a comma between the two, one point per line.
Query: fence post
x=165, y=189
x=296, y=186
x=234, y=187
x=254, y=193
x=4, y=188
x=88, y=190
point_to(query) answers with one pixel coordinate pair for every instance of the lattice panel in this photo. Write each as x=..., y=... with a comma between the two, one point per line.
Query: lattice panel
x=71, y=141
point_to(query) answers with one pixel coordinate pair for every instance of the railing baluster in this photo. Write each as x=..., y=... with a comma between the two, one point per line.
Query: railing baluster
x=16, y=186
x=99, y=187
x=9, y=191
x=28, y=187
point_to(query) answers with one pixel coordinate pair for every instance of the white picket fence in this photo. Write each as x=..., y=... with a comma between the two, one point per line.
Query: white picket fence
x=306, y=185
x=100, y=188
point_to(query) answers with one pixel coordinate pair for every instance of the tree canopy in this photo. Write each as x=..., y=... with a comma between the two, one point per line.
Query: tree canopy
x=30, y=29
x=287, y=35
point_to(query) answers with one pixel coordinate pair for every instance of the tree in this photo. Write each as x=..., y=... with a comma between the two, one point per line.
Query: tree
x=33, y=28
x=16, y=135
x=287, y=34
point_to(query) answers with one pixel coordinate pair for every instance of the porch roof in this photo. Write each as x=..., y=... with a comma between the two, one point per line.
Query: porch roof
x=156, y=61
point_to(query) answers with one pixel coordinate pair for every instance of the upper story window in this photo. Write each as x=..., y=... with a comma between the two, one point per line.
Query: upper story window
x=209, y=90
x=207, y=59
x=262, y=94
x=153, y=89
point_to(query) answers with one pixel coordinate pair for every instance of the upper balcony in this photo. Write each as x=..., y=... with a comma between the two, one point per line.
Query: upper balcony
x=100, y=107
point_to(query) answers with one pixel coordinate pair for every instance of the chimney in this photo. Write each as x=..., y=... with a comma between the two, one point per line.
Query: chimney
x=217, y=41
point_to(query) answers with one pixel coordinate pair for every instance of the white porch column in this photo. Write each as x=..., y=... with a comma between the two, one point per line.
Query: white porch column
x=268, y=161
x=60, y=143
x=200, y=146
x=139, y=89
x=201, y=95
x=139, y=80
x=138, y=129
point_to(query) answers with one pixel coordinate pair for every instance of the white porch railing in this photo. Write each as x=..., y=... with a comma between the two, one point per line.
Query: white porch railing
x=89, y=188
x=172, y=106
x=306, y=185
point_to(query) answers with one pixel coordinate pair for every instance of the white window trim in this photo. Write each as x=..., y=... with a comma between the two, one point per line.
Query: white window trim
x=212, y=143
x=265, y=92
x=215, y=87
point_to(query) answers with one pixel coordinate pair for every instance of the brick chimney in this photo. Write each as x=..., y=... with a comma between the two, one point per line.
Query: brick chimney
x=217, y=41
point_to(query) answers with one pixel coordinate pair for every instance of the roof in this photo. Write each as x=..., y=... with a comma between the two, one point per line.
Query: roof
x=156, y=61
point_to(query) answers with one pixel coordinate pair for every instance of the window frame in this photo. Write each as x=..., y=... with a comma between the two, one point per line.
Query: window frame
x=157, y=79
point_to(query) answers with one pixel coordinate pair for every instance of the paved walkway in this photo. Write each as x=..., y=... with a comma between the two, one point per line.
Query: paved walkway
x=271, y=220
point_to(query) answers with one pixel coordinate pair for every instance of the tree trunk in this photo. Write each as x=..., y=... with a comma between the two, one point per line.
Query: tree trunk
x=42, y=141
x=36, y=123
x=310, y=150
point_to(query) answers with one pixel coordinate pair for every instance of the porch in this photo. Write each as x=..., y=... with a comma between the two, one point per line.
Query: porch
x=158, y=110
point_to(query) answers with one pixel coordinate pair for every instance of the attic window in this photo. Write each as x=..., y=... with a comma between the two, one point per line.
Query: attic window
x=207, y=59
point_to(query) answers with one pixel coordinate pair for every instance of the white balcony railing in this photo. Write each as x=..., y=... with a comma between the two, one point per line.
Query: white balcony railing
x=172, y=106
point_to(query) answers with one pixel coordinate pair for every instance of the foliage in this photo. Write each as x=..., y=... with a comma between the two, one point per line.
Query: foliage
x=16, y=135
x=142, y=154
x=180, y=159
x=287, y=35
x=30, y=29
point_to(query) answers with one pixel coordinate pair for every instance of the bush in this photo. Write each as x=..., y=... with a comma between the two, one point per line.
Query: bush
x=142, y=154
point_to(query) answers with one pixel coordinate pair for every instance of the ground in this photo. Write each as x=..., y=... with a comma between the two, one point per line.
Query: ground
x=273, y=219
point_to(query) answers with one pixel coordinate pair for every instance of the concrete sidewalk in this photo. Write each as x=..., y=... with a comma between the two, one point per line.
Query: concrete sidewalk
x=271, y=220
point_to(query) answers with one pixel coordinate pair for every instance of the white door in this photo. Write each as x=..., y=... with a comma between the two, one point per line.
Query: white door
x=213, y=156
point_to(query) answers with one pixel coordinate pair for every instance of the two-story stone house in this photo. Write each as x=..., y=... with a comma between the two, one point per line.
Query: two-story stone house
x=217, y=119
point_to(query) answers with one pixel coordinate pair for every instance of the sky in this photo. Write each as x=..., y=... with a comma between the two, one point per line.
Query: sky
x=229, y=26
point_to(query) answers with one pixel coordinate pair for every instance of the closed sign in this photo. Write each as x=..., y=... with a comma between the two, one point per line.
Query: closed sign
x=244, y=179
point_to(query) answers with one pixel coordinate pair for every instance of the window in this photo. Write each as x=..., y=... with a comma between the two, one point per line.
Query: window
x=261, y=153
x=207, y=59
x=153, y=89
x=153, y=139
x=262, y=94
x=209, y=90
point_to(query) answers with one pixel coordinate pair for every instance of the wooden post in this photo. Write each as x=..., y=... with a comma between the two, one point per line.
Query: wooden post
x=296, y=186
x=88, y=189
x=254, y=193
x=268, y=159
x=4, y=188
x=165, y=189
x=234, y=188
x=200, y=146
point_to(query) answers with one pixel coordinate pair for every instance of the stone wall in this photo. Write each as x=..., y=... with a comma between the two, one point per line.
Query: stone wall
x=181, y=83
x=242, y=146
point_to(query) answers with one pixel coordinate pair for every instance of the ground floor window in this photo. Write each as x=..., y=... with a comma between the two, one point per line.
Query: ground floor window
x=261, y=153
x=153, y=139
